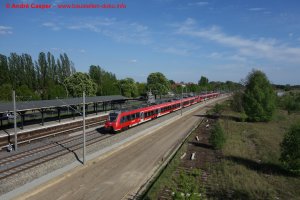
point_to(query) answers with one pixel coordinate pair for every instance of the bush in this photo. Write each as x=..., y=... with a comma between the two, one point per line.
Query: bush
x=290, y=102
x=218, y=109
x=290, y=149
x=237, y=102
x=217, y=138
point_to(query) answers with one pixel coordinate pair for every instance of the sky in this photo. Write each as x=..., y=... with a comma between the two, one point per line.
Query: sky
x=183, y=39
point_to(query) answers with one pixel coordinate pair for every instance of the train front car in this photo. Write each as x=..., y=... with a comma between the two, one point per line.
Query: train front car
x=113, y=121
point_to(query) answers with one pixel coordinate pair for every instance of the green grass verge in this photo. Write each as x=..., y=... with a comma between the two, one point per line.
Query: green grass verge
x=251, y=168
x=184, y=184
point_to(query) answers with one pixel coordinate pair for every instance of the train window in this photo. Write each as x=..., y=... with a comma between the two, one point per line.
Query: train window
x=123, y=119
x=132, y=116
x=112, y=117
x=128, y=118
x=137, y=115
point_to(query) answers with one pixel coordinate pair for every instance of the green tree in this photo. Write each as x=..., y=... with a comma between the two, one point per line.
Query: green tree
x=142, y=88
x=24, y=93
x=6, y=92
x=259, y=97
x=203, y=81
x=107, y=83
x=14, y=64
x=290, y=148
x=79, y=82
x=4, y=73
x=158, y=83
x=128, y=87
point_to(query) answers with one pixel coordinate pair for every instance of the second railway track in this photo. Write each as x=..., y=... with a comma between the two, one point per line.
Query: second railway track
x=60, y=129
x=20, y=162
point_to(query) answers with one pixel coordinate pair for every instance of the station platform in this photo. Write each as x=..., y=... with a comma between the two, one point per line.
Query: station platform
x=48, y=125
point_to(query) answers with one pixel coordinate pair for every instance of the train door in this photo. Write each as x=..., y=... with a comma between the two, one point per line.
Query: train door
x=142, y=116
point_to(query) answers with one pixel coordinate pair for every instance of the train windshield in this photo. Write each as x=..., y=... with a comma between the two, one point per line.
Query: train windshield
x=112, y=117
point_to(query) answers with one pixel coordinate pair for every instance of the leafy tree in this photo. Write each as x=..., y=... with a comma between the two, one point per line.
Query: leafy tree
x=29, y=72
x=203, y=81
x=6, y=92
x=24, y=93
x=107, y=83
x=259, y=98
x=128, y=87
x=14, y=63
x=142, y=88
x=158, y=83
x=171, y=82
x=56, y=90
x=4, y=73
x=192, y=87
x=79, y=82
x=290, y=148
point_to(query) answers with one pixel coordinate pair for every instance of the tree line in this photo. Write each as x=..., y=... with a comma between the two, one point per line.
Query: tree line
x=40, y=79
x=49, y=77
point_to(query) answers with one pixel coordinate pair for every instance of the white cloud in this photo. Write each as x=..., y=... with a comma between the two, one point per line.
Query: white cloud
x=200, y=3
x=176, y=51
x=52, y=26
x=82, y=50
x=120, y=31
x=261, y=48
x=256, y=9
x=5, y=30
x=133, y=61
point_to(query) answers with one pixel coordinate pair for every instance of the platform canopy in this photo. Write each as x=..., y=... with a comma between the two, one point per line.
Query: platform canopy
x=55, y=103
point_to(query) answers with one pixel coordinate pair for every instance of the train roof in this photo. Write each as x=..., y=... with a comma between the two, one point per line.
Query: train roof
x=147, y=107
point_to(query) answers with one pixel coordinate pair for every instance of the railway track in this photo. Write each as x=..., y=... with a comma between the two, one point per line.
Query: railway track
x=53, y=131
x=17, y=163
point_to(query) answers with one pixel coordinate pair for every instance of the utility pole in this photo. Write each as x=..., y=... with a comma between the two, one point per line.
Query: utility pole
x=83, y=128
x=15, y=120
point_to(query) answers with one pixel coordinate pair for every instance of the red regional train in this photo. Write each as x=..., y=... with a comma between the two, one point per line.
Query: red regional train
x=122, y=120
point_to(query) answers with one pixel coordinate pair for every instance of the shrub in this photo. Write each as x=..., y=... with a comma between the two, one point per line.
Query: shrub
x=290, y=148
x=237, y=102
x=218, y=109
x=217, y=138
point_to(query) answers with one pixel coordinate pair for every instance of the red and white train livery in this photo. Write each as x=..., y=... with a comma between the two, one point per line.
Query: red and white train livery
x=121, y=120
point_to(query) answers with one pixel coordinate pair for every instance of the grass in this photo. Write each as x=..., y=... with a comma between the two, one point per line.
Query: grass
x=164, y=178
x=179, y=181
x=251, y=168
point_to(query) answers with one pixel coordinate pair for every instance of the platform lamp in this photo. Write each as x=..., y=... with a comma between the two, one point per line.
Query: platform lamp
x=83, y=114
x=15, y=120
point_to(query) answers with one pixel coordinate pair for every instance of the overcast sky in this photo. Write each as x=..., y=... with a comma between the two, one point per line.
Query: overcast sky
x=222, y=40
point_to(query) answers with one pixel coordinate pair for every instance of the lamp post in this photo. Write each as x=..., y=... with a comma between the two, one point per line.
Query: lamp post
x=83, y=114
x=15, y=120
